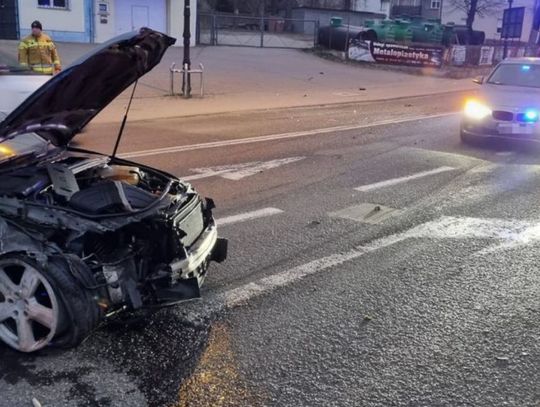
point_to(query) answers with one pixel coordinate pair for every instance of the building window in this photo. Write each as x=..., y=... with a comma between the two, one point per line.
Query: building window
x=435, y=4
x=61, y=4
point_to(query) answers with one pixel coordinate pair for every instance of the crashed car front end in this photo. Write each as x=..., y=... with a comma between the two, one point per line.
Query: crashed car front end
x=85, y=236
x=130, y=236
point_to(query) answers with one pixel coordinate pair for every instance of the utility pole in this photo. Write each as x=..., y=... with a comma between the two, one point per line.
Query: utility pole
x=505, y=29
x=533, y=36
x=186, y=78
x=262, y=7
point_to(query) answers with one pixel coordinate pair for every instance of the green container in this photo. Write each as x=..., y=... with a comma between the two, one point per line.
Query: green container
x=428, y=32
x=336, y=21
x=402, y=31
x=413, y=29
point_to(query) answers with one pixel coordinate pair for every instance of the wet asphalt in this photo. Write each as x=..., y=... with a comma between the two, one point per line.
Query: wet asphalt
x=445, y=317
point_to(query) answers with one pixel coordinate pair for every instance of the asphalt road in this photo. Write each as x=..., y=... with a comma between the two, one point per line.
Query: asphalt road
x=379, y=263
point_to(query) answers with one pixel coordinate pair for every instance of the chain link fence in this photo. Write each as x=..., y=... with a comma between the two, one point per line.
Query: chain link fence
x=246, y=31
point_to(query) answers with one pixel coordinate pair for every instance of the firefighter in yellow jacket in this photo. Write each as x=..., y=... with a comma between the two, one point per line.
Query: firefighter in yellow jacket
x=38, y=52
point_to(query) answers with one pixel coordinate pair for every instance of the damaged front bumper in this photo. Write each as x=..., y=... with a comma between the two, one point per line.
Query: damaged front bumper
x=188, y=274
x=207, y=248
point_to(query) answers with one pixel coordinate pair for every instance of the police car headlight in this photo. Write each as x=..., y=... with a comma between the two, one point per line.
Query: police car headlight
x=476, y=110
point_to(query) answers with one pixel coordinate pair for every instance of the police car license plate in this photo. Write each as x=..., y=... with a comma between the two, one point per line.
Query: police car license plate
x=516, y=128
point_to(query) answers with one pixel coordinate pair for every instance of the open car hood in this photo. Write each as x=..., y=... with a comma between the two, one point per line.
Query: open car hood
x=67, y=102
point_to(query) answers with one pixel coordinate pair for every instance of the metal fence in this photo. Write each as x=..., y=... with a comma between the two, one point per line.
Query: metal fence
x=269, y=32
x=487, y=55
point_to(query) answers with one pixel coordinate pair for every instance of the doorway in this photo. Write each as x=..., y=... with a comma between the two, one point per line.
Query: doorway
x=140, y=17
x=134, y=14
x=8, y=20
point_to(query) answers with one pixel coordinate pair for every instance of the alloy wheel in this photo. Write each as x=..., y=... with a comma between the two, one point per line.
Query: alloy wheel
x=29, y=308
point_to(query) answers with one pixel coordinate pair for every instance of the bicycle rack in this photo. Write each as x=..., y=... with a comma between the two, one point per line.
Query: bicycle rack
x=173, y=70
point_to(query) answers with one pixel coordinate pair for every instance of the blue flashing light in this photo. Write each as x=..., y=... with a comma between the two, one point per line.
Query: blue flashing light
x=525, y=67
x=531, y=115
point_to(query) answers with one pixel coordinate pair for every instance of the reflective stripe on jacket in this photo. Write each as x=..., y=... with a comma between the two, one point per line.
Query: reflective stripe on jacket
x=39, y=54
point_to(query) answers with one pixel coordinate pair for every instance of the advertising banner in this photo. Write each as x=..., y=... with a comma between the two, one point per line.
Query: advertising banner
x=396, y=54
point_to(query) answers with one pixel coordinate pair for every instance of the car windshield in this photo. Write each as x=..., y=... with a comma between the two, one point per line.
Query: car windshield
x=516, y=75
x=9, y=64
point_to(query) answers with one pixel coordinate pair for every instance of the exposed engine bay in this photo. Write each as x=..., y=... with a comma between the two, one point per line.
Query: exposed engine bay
x=131, y=226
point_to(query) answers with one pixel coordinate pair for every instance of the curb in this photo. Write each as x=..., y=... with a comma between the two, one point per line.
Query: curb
x=296, y=108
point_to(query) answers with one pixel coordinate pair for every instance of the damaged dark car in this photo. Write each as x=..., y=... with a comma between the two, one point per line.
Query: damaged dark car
x=85, y=236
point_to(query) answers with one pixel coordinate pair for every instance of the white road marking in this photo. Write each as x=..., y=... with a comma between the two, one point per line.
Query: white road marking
x=240, y=295
x=529, y=235
x=446, y=227
x=243, y=217
x=505, y=153
x=272, y=137
x=449, y=227
x=394, y=181
x=484, y=168
x=236, y=172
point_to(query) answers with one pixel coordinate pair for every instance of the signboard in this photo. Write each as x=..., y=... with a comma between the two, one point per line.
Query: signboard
x=459, y=54
x=396, y=54
x=103, y=12
x=486, y=55
x=512, y=24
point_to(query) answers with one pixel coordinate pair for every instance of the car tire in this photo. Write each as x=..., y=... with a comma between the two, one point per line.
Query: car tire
x=42, y=306
x=82, y=312
x=466, y=138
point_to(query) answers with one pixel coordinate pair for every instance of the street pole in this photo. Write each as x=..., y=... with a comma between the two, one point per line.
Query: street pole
x=348, y=33
x=505, y=49
x=262, y=7
x=186, y=78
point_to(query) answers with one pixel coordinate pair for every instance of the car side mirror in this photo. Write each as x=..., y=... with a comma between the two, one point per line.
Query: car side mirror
x=478, y=80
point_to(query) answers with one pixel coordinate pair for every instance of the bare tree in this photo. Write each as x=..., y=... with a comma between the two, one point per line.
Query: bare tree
x=274, y=8
x=473, y=8
x=252, y=7
x=206, y=5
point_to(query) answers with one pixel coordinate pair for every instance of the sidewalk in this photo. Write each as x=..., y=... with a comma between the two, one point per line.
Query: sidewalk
x=240, y=79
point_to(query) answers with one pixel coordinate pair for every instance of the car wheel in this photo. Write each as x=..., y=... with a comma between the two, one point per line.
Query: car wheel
x=30, y=310
x=39, y=307
x=463, y=136
x=466, y=138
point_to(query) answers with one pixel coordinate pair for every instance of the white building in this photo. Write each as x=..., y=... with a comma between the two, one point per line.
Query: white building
x=99, y=20
x=491, y=24
x=372, y=6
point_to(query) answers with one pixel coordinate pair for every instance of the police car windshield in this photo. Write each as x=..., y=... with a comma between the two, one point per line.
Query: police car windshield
x=516, y=75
